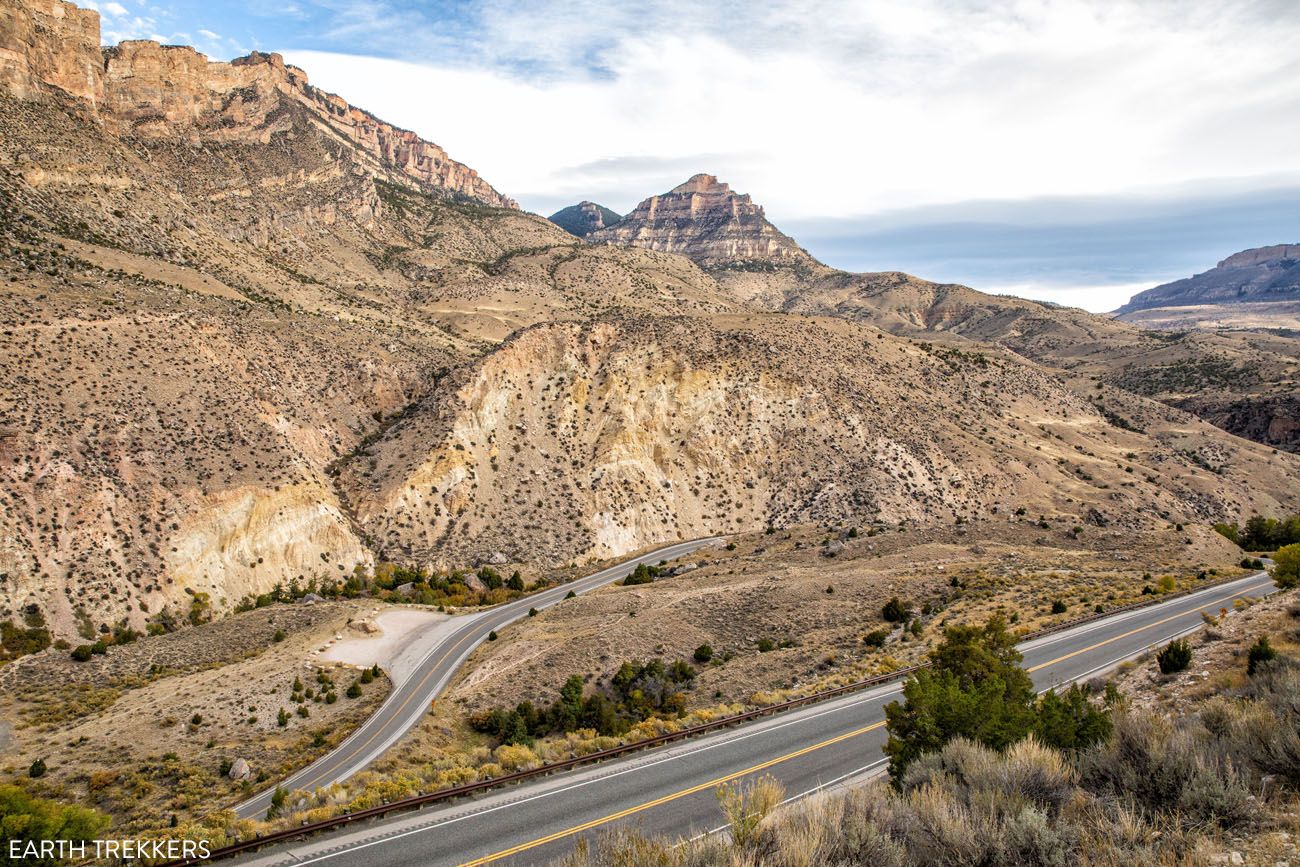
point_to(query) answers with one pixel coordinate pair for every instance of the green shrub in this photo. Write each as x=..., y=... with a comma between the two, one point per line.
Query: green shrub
x=353, y=691
x=25, y=818
x=1286, y=567
x=765, y=645
x=1059, y=607
x=37, y=770
x=703, y=653
x=1260, y=652
x=642, y=574
x=82, y=652
x=1174, y=656
x=896, y=611
x=876, y=637
x=974, y=688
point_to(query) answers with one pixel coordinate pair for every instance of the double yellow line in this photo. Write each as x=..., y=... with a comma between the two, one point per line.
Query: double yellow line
x=612, y=817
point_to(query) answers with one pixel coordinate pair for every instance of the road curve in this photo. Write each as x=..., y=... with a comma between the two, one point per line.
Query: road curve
x=669, y=791
x=410, y=699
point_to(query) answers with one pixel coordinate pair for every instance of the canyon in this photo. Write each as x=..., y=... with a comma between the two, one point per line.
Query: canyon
x=251, y=335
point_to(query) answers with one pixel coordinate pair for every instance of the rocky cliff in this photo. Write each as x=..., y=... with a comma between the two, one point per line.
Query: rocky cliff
x=584, y=218
x=1264, y=274
x=705, y=221
x=168, y=91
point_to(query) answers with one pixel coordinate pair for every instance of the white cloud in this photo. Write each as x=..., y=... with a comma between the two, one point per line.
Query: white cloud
x=855, y=108
x=115, y=9
x=1097, y=298
x=836, y=108
x=209, y=35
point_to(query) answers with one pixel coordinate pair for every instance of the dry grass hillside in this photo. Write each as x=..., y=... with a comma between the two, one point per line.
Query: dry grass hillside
x=203, y=311
x=574, y=441
x=252, y=334
x=1245, y=383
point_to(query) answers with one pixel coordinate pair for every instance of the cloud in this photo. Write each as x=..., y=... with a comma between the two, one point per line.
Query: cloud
x=1092, y=251
x=209, y=35
x=835, y=109
x=115, y=9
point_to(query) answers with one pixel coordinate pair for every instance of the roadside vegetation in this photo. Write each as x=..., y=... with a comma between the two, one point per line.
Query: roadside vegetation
x=1263, y=534
x=638, y=692
x=390, y=582
x=992, y=776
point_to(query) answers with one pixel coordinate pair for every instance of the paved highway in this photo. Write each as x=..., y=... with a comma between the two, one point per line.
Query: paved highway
x=410, y=699
x=669, y=791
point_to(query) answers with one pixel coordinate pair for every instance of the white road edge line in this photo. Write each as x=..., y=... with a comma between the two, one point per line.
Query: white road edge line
x=702, y=746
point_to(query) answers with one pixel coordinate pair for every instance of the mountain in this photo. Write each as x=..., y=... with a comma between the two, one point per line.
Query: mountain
x=705, y=221
x=217, y=283
x=1257, y=288
x=252, y=335
x=576, y=440
x=584, y=218
x=1243, y=383
x=152, y=91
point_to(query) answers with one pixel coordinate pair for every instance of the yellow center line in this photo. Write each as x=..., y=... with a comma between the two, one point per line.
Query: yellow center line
x=1154, y=623
x=586, y=826
x=402, y=707
x=307, y=786
x=666, y=798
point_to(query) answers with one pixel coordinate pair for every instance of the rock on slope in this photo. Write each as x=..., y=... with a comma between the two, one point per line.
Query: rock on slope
x=573, y=441
x=584, y=218
x=705, y=221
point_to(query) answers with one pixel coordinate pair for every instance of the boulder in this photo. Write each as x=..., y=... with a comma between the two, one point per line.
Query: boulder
x=239, y=770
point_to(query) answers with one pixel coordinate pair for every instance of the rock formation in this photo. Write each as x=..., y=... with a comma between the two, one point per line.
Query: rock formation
x=584, y=218
x=1259, y=275
x=168, y=91
x=1252, y=290
x=705, y=221
x=573, y=441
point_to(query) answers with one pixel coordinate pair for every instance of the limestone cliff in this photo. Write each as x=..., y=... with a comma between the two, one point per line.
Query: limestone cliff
x=1264, y=274
x=169, y=91
x=705, y=221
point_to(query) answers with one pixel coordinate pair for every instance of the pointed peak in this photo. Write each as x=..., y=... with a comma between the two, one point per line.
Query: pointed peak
x=702, y=183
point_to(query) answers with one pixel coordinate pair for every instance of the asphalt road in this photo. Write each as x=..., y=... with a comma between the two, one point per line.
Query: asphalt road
x=669, y=791
x=410, y=700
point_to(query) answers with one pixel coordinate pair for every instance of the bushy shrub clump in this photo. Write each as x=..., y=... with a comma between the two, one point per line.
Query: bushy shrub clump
x=638, y=691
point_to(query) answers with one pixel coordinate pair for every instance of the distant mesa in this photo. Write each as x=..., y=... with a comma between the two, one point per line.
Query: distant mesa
x=1257, y=275
x=705, y=221
x=584, y=218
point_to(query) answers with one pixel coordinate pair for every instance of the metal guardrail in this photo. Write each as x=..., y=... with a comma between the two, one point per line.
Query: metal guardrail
x=441, y=795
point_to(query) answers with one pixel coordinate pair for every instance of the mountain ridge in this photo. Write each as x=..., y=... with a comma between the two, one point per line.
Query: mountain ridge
x=144, y=88
x=1257, y=288
x=584, y=218
x=704, y=220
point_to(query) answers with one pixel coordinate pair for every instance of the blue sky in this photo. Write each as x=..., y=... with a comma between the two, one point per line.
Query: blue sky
x=1058, y=149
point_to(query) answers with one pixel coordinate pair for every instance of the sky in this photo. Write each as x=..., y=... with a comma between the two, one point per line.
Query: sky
x=1075, y=152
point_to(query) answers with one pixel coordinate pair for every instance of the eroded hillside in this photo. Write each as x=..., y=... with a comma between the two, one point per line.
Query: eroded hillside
x=593, y=440
x=217, y=281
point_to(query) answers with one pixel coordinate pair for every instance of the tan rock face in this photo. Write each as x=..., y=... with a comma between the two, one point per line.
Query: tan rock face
x=50, y=42
x=147, y=89
x=707, y=222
